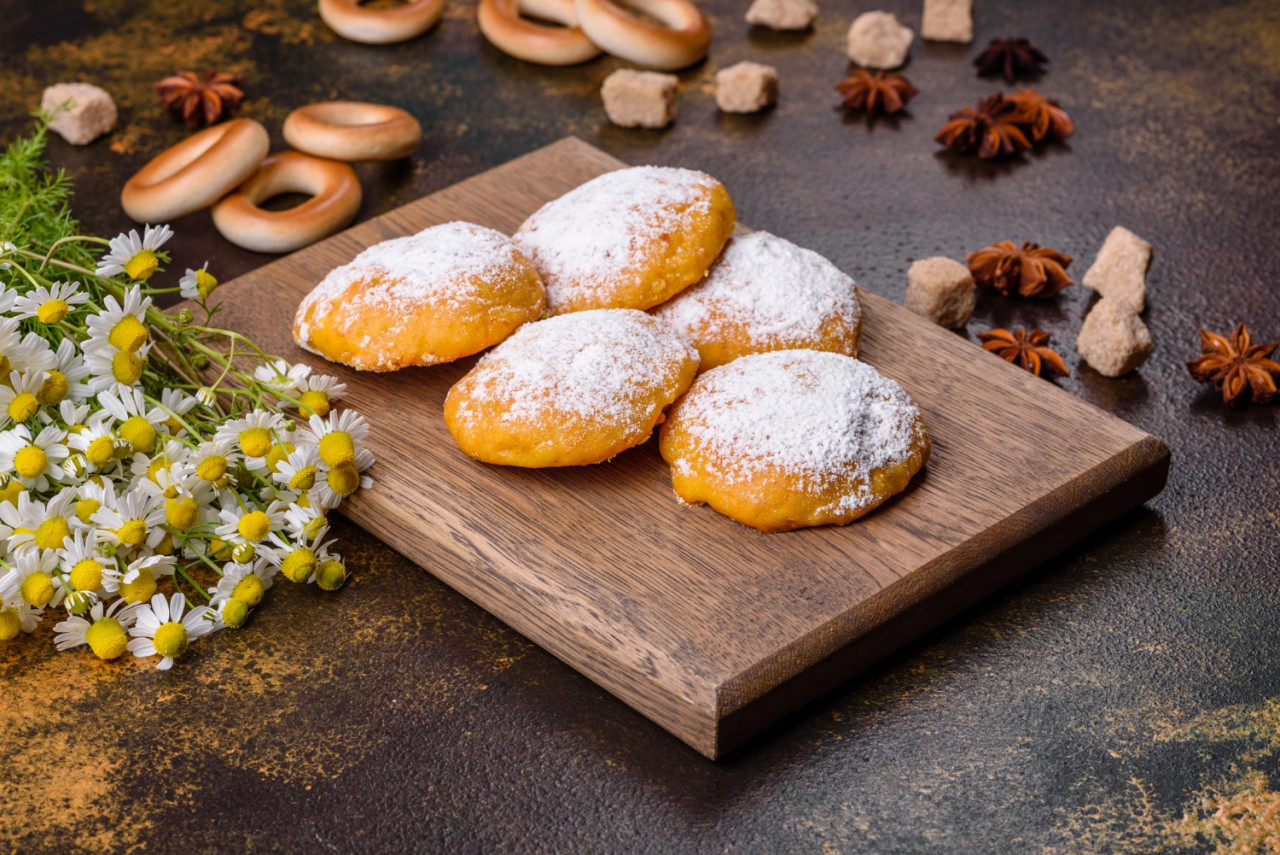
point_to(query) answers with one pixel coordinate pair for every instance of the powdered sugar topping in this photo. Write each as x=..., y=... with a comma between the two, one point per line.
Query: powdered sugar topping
x=776, y=293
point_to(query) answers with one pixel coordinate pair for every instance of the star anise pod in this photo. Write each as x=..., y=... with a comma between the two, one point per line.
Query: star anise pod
x=1029, y=270
x=201, y=100
x=991, y=129
x=1235, y=365
x=1043, y=118
x=876, y=93
x=1029, y=350
x=1012, y=58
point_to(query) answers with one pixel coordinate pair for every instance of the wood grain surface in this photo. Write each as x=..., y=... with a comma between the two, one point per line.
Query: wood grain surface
x=709, y=628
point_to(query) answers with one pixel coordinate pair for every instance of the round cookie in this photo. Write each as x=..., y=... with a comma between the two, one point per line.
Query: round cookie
x=570, y=390
x=444, y=293
x=765, y=293
x=793, y=438
x=629, y=239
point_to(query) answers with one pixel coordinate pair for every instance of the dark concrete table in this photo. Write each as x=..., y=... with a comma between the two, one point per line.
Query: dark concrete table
x=1126, y=697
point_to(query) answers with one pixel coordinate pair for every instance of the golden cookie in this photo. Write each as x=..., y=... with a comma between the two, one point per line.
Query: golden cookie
x=570, y=390
x=793, y=438
x=436, y=296
x=629, y=239
x=765, y=293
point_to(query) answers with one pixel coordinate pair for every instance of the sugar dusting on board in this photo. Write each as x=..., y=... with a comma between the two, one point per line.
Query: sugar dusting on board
x=813, y=415
x=593, y=234
x=775, y=293
x=599, y=365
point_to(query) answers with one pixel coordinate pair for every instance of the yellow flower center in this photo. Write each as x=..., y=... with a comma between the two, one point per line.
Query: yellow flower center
x=126, y=367
x=37, y=589
x=234, y=613
x=312, y=528
x=10, y=492
x=205, y=283
x=219, y=549
x=23, y=407
x=142, y=265
x=303, y=479
x=212, y=468
x=174, y=425
x=155, y=467
x=86, y=508
x=299, y=565
x=10, y=624
x=30, y=461
x=254, y=526
x=107, y=639
x=314, y=402
x=5, y=365
x=330, y=575
x=128, y=334
x=100, y=451
x=337, y=449
x=344, y=480
x=53, y=389
x=141, y=589
x=165, y=546
x=140, y=434
x=182, y=513
x=78, y=602
x=52, y=311
x=244, y=553
x=87, y=575
x=255, y=442
x=171, y=639
x=278, y=454
x=50, y=534
x=132, y=532
x=249, y=590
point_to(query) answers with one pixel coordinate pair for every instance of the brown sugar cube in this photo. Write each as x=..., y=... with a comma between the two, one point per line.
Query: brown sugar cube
x=746, y=87
x=941, y=289
x=1120, y=270
x=783, y=14
x=877, y=40
x=947, y=21
x=640, y=99
x=92, y=112
x=1113, y=339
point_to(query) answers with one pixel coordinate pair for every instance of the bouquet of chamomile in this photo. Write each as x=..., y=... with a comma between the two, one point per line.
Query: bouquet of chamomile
x=157, y=473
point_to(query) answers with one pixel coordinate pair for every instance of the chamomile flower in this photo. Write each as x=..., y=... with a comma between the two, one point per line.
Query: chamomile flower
x=8, y=296
x=65, y=379
x=90, y=496
x=136, y=582
x=19, y=399
x=104, y=630
x=303, y=523
x=120, y=325
x=136, y=423
x=132, y=255
x=317, y=393
x=83, y=563
x=212, y=460
x=15, y=614
x=160, y=629
x=33, y=524
x=339, y=482
x=114, y=369
x=246, y=582
x=299, y=471
x=339, y=436
x=97, y=443
x=197, y=284
x=38, y=582
x=33, y=460
x=21, y=353
x=49, y=304
x=74, y=415
x=300, y=557
x=250, y=525
x=176, y=405
x=254, y=435
x=133, y=520
x=281, y=376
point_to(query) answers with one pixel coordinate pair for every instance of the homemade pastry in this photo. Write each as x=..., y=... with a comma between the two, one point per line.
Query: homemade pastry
x=503, y=26
x=793, y=438
x=196, y=172
x=353, y=130
x=335, y=198
x=674, y=34
x=380, y=26
x=439, y=295
x=765, y=293
x=571, y=390
x=629, y=239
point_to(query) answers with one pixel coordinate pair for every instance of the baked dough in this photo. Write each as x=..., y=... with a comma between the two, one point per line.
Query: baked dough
x=570, y=390
x=793, y=438
x=765, y=293
x=444, y=293
x=629, y=239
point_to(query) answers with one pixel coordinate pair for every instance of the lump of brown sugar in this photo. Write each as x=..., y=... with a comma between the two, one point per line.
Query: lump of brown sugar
x=640, y=99
x=1113, y=339
x=877, y=40
x=947, y=21
x=783, y=14
x=746, y=87
x=1120, y=270
x=90, y=111
x=941, y=290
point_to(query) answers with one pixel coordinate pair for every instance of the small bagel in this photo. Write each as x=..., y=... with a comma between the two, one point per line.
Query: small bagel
x=502, y=25
x=196, y=172
x=352, y=21
x=683, y=40
x=353, y=130
x=335, y=198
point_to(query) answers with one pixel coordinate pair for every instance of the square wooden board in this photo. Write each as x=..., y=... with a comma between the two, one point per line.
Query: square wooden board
x=709, y=628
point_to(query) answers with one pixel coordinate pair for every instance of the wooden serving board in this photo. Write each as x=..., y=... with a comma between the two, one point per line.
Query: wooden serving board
x=709, y=628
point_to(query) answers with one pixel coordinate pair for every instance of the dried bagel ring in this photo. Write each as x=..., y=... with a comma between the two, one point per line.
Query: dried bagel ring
x=196, y=172
x=502, y=25
x=335, y=198
x=353, y=130
x=683, y=40
x=352, y=21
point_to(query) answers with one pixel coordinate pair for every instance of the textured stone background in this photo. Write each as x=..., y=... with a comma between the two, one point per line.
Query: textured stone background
x=1125, y=697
